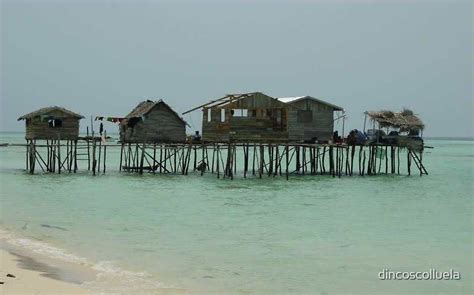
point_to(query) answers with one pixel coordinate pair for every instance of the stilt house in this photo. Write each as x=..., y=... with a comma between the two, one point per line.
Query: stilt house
x=406, y=127
x=310, y=118
x=52, y=123
x=152, y=122
x=257, y=117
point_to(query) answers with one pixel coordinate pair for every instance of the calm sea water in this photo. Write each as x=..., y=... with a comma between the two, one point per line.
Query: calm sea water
x=308, y=235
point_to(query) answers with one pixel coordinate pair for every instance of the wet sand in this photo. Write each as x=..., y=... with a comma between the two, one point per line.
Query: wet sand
x=33, y=277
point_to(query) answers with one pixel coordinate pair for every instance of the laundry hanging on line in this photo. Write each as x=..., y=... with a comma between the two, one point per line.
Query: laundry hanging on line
x=109, y=119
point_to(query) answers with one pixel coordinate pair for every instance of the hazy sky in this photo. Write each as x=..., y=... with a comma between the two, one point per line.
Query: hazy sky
x=102, y=58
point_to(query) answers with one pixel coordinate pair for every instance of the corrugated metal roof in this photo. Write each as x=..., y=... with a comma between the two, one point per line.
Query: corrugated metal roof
x=294, y=99
x=290, y=99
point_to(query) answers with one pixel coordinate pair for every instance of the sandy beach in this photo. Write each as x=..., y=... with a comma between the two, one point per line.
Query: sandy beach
x=31, y=277
x=24, y=270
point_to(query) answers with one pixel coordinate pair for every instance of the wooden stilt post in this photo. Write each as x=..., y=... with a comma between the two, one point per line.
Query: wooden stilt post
x=59, y=155
x=331, y=161
x=165, y=158
x=421, y=162
x=277, y=160
x=254, y=158
x=105, y=154
x=94, y=161
x=75, y=156
x=67, y=159
x=154, y=167
x=246, y=159
x=33, y=161
x=324, y=161
x=121, y=156
x=352, y=159
x=27, y=155
x=287, y=155
x=175, y=165
x=297, y=150
x=234, y=161
x=383, y=155
x=213, y=155
x=100, y=154
x=195, y=159
x=161, y=159
x=217, y=164
x=203, y=162
x=88, y=150
x=398, y=160
x=317, y=161
x=408, y=162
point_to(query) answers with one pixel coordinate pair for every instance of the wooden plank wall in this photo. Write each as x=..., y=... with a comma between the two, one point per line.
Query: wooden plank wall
x=38, y=129
x=244, y=129
x=322, y=124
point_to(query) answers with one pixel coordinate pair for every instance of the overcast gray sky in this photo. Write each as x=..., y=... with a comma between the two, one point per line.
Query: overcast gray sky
x=102, y=58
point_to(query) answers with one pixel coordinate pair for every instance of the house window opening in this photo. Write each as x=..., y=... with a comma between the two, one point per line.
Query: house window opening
x=55, y=123
x=222, y=115
x=239, y=113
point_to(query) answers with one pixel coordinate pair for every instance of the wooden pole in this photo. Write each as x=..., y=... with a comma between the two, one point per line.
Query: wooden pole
x=213, y=155
x=88, y=150
x=100, y=153
x=287, y=154
x=75, y=156
x=324, y=160
x=217, y=162
x=27, y=154
x=408, y=162
x=94, y=161
x=246, y=159
x=203, y=163
x=59, y=156
x=254, y=156
x=105, y=152
x=398, y=161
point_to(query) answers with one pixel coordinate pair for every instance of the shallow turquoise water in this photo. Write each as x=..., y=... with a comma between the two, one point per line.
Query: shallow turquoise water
x=311, y=234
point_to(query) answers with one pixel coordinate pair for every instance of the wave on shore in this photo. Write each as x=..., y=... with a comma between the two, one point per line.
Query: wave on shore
x=102, y=276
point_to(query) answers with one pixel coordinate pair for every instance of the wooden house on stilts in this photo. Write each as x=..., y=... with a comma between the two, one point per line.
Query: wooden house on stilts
x=148, y=125
x=52, y=125
x=153, y=122
x=310, y=119
x=257, y=117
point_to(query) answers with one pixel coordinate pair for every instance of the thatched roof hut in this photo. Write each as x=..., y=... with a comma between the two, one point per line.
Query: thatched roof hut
x=52, y=123
x=405, y=120
x=153, y=121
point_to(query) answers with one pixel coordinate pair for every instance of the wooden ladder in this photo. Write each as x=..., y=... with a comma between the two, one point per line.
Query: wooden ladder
x=418, y=163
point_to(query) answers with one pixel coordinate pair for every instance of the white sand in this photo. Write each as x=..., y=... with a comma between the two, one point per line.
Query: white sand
x=39, y=274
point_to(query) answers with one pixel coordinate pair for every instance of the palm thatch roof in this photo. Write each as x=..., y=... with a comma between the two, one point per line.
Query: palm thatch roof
x=48, y=110
x=405, y=120
x=143, y=108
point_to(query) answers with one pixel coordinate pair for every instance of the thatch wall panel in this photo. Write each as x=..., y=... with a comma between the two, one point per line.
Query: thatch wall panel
x=160, y=125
